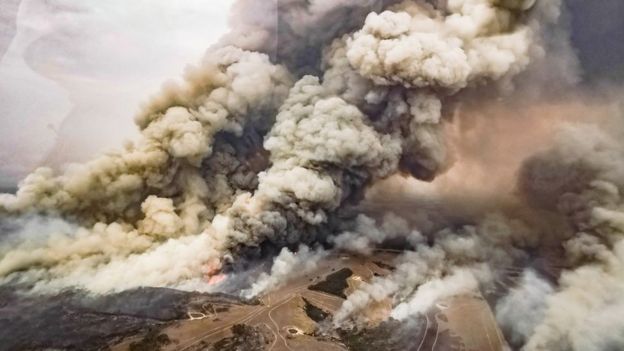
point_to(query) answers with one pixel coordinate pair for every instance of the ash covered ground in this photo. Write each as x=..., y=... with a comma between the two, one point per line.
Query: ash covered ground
x=346, y=175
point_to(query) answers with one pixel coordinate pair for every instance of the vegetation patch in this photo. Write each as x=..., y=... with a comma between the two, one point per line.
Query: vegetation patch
x=334, y=284
x=391, y=335
x=316, y=314
x=244, y=338
x=384, y=265
x=152, y=341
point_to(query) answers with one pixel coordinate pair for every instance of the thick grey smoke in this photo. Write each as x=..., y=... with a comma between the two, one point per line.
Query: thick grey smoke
x=581, y=179
x=200, y=174
x=275, y=137
x=571, y=192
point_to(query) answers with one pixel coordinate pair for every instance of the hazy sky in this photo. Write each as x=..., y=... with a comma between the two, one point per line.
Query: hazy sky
x=73, y=72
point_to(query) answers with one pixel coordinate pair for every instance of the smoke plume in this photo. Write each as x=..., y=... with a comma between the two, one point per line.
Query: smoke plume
x=458, y=129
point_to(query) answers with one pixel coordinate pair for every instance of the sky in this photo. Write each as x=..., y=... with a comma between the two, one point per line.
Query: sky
x=74, y=72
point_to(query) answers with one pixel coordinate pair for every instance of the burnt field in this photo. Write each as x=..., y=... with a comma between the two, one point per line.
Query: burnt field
x=298, y=316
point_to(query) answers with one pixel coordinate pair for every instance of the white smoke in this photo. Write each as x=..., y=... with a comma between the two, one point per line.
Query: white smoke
x=366, y=235
x=519, y=312
x=460, y=282
x=285, y=266
x=412, y=45
x=457, y=262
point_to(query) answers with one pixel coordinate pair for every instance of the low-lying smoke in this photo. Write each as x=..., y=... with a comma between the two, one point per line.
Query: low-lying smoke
x=286, y=265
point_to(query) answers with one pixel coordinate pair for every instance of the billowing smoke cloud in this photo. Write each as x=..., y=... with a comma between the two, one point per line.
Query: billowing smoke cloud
x=154, y=190
x=581, y=178
x=275, y=137
x=201, y=173
x=572, y=189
